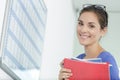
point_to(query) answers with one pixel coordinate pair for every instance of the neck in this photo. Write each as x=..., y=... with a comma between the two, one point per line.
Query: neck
x=92, y=51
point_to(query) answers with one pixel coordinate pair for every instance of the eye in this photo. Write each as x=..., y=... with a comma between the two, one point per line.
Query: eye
x=80, y=23
x=92, y=26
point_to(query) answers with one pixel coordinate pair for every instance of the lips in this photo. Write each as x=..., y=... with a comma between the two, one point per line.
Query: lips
x=84, y=36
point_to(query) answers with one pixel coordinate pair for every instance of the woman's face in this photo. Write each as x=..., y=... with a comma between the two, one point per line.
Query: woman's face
x=88, y=29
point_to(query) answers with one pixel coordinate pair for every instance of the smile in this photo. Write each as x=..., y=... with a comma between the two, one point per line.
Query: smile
x=83, y=36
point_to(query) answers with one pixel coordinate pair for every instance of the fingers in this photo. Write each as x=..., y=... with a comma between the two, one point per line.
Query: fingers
x=65, y=70
x=64, y=74
x=61, y=64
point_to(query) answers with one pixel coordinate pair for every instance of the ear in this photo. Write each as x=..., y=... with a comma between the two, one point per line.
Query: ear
x=104, y=31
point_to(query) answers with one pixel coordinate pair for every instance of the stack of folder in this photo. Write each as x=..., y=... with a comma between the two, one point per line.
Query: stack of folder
x=92, y=69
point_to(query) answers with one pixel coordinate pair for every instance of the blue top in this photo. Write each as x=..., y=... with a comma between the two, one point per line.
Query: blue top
x=107, y=57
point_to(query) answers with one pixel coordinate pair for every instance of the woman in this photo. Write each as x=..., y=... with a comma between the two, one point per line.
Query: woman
x=92, y=25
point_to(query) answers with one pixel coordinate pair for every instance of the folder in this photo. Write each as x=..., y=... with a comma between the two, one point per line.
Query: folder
x=86, y=70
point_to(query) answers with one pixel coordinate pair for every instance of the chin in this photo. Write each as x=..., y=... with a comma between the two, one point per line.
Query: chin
x=84, y=44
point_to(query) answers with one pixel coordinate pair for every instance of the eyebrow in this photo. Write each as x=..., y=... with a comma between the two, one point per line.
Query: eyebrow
x=79, y=20
x=88, y=22
x=91, y=23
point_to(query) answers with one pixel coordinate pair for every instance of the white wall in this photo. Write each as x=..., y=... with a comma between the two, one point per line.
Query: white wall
x=111, y=41
x=59, y=37
x=2, y=10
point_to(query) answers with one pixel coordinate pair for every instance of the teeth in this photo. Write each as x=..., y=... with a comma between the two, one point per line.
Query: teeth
x=84, y=36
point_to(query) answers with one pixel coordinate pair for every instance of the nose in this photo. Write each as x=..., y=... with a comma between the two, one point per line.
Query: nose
x=84, y=29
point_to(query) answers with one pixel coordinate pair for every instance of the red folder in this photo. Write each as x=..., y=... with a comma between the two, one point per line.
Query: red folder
x=85, y=70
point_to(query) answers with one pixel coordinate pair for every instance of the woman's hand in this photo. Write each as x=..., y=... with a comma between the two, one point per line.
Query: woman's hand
x=64, y=73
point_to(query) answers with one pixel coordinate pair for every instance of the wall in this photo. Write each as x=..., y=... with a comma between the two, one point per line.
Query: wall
x=2, y=10
x=58, y=38
x=111, y=40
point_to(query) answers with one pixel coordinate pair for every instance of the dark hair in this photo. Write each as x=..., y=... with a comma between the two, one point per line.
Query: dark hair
x=101, y=13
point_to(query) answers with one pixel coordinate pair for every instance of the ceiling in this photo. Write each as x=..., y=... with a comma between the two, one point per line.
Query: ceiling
x=111, y=5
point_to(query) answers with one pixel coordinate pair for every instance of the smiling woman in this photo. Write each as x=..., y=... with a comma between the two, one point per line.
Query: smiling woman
x=92, y=25
x=111, y=39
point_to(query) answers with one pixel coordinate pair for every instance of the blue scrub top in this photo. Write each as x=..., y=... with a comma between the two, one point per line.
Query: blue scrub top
x=107, y=57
